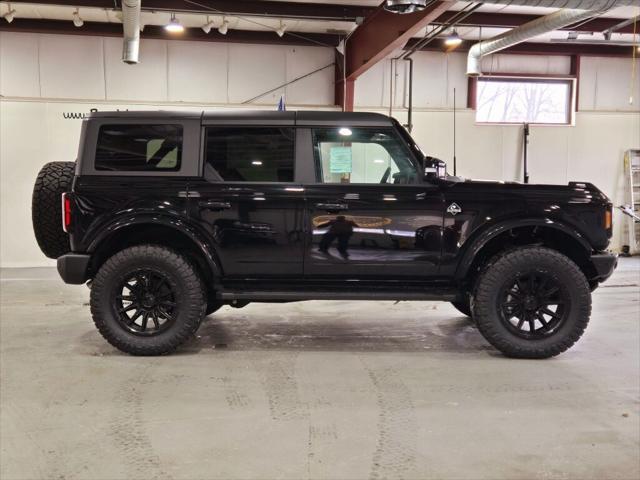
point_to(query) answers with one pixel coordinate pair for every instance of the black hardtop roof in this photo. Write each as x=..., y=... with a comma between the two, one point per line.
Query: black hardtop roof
x=256, y=117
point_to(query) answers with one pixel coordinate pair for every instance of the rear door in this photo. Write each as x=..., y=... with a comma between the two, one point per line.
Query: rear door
x=248, y=201
x=369, y=213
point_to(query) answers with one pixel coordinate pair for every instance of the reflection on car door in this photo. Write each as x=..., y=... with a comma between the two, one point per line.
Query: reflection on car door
x=248, y=203
x=370, y=216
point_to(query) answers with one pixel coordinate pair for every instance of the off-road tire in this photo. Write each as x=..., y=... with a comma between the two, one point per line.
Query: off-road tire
x=518, y=261
x=189, y=296
x=53, y=180
x=463, y=306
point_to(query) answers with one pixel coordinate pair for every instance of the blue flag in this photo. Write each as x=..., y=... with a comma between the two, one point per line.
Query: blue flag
x=281, y=106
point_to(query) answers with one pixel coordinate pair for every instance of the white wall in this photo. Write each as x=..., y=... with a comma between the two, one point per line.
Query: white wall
x=89, y=68
x=44, y=76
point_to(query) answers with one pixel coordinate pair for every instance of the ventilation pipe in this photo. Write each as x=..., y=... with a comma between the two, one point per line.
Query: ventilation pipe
x=548, y=23
x=131, y=29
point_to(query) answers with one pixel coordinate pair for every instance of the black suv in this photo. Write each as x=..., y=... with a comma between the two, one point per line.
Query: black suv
x=170, y=216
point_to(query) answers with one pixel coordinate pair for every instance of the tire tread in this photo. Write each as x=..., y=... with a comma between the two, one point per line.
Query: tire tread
x=495, y=271
x=162, y=344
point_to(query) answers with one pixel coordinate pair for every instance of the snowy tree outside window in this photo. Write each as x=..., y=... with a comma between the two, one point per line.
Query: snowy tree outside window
x=518, y=100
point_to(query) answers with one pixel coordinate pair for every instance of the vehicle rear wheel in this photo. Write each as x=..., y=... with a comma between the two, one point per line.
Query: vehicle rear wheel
x=53, y=180
x=463, y=306
x=532, y=302
x=147, y=300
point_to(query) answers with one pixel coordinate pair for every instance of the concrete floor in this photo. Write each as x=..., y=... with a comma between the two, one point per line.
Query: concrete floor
x=348, y=390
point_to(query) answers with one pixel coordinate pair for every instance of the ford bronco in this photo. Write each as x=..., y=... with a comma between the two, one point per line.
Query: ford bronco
x=170, y=215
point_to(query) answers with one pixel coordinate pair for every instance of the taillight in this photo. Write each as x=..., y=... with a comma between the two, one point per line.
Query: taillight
x=66, y=212
x=608, y=222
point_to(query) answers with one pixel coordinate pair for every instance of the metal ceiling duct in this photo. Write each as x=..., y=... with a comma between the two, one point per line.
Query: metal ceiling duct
x=131, y=29
x=584, y=9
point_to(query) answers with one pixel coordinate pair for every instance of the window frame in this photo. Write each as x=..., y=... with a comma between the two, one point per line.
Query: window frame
x=570, y=80
x=189, y=164
x=317, y=161
x=218, y=178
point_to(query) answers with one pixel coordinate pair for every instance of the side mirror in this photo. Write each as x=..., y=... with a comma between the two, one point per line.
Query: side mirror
x=434, y=168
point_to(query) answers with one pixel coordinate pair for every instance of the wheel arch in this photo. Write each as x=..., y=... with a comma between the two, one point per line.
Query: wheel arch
x=173, y=233
x=535, y=231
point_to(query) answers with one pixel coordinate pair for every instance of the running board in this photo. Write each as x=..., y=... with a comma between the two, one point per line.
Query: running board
x=256, y=296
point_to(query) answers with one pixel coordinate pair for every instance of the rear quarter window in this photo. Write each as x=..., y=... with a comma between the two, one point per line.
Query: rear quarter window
x=139, y=148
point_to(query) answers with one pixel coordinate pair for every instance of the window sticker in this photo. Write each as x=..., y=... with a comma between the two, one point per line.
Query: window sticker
x=340, y=160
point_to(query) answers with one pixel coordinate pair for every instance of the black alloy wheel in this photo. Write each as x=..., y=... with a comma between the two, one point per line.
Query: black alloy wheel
x=534, y=306
x=145, y=302
x=531, y=302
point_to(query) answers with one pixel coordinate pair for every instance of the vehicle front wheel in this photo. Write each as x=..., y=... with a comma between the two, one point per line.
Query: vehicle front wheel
x=147, y=300
x=532, y=302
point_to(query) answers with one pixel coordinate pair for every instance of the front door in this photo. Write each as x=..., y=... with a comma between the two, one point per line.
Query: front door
x=248, y=202
x=369, y=214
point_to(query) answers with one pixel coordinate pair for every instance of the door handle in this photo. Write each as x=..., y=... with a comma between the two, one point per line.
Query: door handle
x=332, y=207
x=214, y=205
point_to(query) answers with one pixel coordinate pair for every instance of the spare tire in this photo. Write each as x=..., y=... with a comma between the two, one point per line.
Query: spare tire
x=53, y=180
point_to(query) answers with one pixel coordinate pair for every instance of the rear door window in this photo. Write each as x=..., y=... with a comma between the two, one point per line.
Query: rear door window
x=139, y=148
x=261, y=154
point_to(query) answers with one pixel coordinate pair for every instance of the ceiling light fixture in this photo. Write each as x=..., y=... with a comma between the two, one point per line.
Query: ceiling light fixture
x=206, y=28
x=405, y=6
x=280, y=30
x=77, y=21
x=453, y=40
x=224, y=28
x=345, y=132
x=174, y=26
x=10, y=15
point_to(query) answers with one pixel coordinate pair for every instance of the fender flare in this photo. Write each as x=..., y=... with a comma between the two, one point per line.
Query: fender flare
x=479, y=240
x=175, y=223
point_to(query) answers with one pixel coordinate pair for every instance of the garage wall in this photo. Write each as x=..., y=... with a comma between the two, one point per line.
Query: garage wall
x=605, y=83
x=90, y=68
x=45, y=78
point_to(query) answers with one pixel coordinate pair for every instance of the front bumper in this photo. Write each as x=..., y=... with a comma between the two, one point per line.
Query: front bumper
x=604, y=264
x=73, y=268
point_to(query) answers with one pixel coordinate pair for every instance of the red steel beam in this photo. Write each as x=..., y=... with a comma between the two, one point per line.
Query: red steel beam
x=533, y=48
x=384, y=32
x=511, y=20
x=239, y=7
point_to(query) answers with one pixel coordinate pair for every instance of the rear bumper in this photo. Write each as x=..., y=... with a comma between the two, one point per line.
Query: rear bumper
x=73, y=268
x=604, y=264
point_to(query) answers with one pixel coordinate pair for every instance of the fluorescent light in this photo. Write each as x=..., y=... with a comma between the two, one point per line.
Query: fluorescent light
x=256, y=162
x=453, y=40
x=77, y=21
x=280, y=31
x=206, y=28
x=345, y=132
x=174, y=26
x=9, y=16
x=378, y=160
x=224, y=28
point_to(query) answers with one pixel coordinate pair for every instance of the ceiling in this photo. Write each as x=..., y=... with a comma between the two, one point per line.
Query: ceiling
x=335, y=18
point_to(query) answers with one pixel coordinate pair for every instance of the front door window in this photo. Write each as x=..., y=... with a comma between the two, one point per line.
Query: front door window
x=362, y=155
